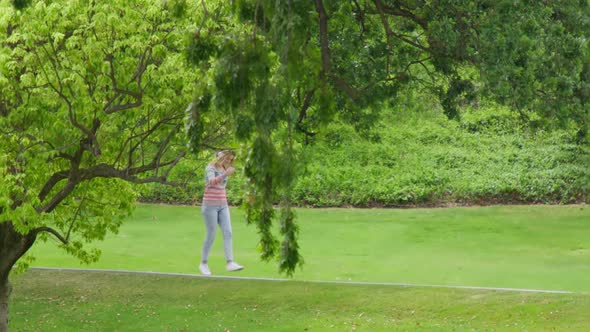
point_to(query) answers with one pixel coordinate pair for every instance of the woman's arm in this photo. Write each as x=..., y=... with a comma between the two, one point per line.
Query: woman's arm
x=214, y=180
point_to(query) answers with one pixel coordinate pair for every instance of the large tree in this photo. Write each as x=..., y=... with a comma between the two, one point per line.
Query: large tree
x=286, y=67
x=92, y=100
x=109, y=77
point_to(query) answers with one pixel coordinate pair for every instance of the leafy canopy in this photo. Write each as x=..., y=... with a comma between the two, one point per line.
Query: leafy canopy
x=278, y=71
x=93, y=99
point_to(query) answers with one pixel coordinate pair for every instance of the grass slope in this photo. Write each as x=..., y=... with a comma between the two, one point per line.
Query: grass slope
x=538, y=247
x=66, y=301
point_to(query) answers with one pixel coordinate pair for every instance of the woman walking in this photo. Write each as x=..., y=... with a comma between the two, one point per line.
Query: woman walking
x=216, y=211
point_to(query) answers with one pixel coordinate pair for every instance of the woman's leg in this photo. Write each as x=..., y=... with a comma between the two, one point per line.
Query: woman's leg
x=225, y=224
x=211, y=218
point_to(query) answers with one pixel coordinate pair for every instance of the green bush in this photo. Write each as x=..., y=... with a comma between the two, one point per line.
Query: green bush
x=422, y=158
x=425, y=159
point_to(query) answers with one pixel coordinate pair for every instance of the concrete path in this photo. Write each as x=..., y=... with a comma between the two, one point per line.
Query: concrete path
x=187, y=275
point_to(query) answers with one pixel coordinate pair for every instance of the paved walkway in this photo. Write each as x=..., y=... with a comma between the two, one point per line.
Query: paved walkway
x=296, y=280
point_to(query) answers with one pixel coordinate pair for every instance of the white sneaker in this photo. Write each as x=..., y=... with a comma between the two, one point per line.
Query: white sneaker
x=233, y=266
x=204, y=268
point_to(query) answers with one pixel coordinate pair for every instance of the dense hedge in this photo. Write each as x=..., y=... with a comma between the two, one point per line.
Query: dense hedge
x=421, y=158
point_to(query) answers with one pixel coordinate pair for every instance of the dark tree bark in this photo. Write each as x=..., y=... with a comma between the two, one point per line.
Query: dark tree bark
x=13, y=245
x=5, y=289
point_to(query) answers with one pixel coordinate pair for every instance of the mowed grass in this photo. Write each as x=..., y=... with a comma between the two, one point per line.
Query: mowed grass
x=90, y=301
x=533, y=247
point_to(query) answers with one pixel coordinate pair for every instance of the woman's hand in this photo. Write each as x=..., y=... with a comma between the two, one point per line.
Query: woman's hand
x=229, y=171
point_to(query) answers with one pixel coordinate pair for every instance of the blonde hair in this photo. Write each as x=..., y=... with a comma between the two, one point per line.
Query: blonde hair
x=222, y=153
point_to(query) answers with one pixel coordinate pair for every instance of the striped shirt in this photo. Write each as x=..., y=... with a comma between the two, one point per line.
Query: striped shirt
x=215, y=183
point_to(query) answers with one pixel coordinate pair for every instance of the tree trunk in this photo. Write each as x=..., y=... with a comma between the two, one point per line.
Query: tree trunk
x=13, y=246
x=5, y=289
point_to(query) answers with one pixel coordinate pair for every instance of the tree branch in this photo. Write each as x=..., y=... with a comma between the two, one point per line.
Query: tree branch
x=143, y=136
x=325, y=50
x=51, y=231
x=75, y=217
x=388, y=32
x=406, y=40
x=53, y=180
x=324, y=42
x=75, y=176
x=164, y=146
x=360, y=17
x=345, y=87
x=109, y=108
x=306, y=103
x=60, y=196
x=206, y=14
x=401, y=12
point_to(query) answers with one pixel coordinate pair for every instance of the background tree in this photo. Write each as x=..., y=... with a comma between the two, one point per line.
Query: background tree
x=92, y=99
x=288, y=67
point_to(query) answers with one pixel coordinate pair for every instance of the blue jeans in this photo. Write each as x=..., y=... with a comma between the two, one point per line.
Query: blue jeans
x=217, y=215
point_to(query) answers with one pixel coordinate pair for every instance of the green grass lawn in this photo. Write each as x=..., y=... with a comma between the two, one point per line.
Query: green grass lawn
x=68, y=301
x=538, y=247
x=533, y=247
